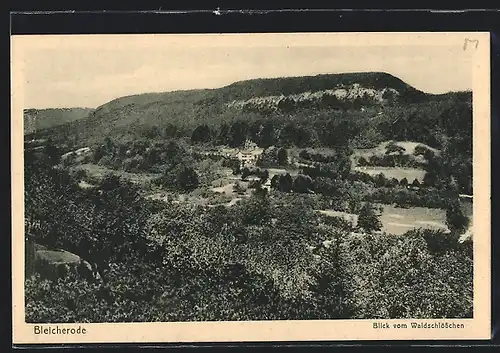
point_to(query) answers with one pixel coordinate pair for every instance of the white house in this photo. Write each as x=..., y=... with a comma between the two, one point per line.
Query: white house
x=248, y=157
x=76, y=153
x=249, y=154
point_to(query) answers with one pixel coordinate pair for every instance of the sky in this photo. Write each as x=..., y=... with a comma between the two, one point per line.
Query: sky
x=88, y=71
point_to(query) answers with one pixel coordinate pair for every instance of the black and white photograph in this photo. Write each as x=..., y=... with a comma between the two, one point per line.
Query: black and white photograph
x=251, y=178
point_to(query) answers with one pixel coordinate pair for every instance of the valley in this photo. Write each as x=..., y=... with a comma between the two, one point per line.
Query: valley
x=217, y=204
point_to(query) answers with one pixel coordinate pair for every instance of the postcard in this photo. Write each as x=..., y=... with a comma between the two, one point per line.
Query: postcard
x=250, y=187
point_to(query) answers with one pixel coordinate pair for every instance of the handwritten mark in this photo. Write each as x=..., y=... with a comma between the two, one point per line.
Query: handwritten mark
x=467, y=41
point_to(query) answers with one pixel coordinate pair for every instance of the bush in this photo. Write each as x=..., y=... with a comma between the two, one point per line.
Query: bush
x=254, y=184
x=456, y=220
x=401, y=278
x=362, y=162
x=392, y=147
x=302, y=184
x=238, y=188
x=188, y=179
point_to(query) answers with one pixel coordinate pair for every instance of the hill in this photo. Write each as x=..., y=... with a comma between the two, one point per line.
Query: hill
x=367, y=104
x=40, y=119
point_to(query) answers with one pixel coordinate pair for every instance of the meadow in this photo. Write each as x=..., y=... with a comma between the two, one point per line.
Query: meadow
x=400, y=220
x=399, y=173
x=98, y=172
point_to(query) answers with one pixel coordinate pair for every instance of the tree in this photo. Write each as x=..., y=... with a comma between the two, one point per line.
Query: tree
x=256, y=209
x=415, y=183
x=343, y=162
x=233, y=163
x=151, y=157
x=362, y=162
x=109, y=145
x=393, y=182
x=254, y=184
x=238, y=133
x=389, y=96
x=98, y=153
x=430, y=179
x=282, y=157
x=285, y=183
x=201, y=134
x=368, y=219
x=268, y=158
x=153, y=132
x=238, y=188
x=245, y=173
x=223, y=136
x=275, y=181
x=110, y=182
x=456, y=220
x=392, y=147
x=253, y=130
x=380, y=180
x=266, y=134
x=422, y=150
x=334, y=283
x=47, y=193
x=188, y=178
x=286, y=104
x=324, y=186
x=259, y=190
x=52, y=152
x=170, y=130
x=264, y=175
x=403, y=182
x=302, y=183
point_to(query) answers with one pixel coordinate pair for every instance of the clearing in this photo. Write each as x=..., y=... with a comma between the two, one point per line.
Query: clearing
x=400, y=220
x=98, y=171
x=394, y=172
x=409, y=146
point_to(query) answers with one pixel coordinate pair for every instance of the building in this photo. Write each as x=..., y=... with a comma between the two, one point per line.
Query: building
x=249, y=155
x=77, y=153
x=82, y=151
x=248, y=158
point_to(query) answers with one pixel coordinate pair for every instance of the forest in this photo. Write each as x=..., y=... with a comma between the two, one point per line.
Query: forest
x=267, y=257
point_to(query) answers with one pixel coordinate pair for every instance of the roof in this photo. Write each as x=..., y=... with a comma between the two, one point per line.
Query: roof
x=251, y=152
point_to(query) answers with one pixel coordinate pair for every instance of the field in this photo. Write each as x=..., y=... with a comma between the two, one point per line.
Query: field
x=399, y=173
x=400, y=220
x=97, y=171
x=409, y=147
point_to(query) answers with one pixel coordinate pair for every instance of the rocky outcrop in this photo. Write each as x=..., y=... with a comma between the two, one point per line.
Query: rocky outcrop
x=340, y=94
x=54, y=264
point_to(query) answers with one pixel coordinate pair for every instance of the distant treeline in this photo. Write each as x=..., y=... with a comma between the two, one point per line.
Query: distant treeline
x=429, y=123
